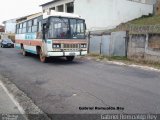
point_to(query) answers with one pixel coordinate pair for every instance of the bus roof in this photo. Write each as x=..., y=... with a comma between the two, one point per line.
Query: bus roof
x=48, y=14
x=60, y=14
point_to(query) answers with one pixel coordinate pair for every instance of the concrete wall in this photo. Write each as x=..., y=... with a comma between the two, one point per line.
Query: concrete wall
x=109, y=13
x=144, y=48
x=136, y=47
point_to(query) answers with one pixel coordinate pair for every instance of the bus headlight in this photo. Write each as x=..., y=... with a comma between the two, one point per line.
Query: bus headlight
x=83, y=45
x=56, y=46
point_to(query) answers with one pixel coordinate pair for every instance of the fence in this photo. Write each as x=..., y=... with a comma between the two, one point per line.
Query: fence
x=108, y=43
x=142, y=42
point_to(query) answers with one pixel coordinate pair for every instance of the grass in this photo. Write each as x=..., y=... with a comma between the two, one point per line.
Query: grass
x=148, y=20
x=118, y=58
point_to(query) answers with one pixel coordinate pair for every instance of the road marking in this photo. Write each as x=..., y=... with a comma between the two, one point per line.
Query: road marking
x=12, y=98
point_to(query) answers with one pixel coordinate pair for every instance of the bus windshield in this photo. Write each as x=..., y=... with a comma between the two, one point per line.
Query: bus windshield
x=66, y=28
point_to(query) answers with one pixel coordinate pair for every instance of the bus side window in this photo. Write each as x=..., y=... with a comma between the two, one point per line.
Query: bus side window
x=29, y=29
x=39, y=33
x=34, y=25
x=24, y=27
x=20, y=28
x=39, y=26
x=17, y=28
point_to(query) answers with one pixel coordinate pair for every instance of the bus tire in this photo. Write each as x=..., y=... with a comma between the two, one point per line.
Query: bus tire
x=42, y=57
x=70, y=58
x=24, y=53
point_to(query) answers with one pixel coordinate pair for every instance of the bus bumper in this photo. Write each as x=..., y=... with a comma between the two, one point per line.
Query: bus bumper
x=63, y=54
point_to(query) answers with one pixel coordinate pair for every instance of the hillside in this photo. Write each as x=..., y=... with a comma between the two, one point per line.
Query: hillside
x=143, y=25
x=153, y=20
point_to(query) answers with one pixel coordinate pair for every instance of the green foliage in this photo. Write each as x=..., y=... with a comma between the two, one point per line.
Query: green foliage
x=146, y=20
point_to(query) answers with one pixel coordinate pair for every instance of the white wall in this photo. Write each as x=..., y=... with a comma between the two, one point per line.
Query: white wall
x=125, y=10
x=102, y=14
x=10, y=26
x=61, y=2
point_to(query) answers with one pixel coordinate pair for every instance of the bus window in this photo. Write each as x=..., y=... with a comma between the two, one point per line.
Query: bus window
x=39, y=26
x=20, y=28
x=29, y=26
x=39, y=33
x=17, y=28
x=34, y=27
x=77, y=29
x=24, y=28
x=21, y=25
x=20, y=31
x=58, y=28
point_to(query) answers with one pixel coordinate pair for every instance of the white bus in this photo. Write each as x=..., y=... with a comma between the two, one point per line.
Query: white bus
x=52, y=35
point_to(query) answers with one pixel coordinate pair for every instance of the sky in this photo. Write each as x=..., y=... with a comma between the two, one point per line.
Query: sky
x=10, y=9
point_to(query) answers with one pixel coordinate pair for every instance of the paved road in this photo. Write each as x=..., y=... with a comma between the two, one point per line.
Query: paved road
x=62, y=87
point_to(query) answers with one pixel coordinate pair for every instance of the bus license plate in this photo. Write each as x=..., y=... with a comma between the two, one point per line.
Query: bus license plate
x=72, y=54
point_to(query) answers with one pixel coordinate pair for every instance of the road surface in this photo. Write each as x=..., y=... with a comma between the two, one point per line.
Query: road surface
x=61, y=87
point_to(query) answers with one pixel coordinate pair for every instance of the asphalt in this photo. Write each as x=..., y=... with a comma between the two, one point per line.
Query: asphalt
x=61, y=87
x=9, y=107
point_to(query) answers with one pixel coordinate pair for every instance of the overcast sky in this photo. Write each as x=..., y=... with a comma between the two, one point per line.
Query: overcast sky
x=10, y=9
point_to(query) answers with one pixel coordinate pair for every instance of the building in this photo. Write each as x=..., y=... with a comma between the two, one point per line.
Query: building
x=1, y=29
x=103, y=14
x=59, y=5
x=10, y=26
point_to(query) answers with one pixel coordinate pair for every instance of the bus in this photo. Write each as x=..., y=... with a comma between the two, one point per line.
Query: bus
x=54, y=34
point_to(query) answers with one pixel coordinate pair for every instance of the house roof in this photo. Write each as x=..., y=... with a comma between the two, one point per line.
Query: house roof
x=28, y=16
x=53, y=1
x=11, y=20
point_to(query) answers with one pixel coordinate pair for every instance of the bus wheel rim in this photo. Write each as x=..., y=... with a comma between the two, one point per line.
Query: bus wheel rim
x=42, y=57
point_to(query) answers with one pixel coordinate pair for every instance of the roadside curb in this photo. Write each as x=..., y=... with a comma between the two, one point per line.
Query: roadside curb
x=124, y=64
x=24, y=103
x=12, y=98
x=134, y=66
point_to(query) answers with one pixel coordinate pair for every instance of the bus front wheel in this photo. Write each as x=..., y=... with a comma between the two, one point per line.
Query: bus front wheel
x=70, y=58
x=42, y=57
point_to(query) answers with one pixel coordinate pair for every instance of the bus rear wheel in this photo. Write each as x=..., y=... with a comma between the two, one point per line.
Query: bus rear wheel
x=42, y=57
x=70, y=58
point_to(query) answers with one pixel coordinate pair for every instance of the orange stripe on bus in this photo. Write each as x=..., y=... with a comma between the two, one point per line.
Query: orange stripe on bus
x=29, y=42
